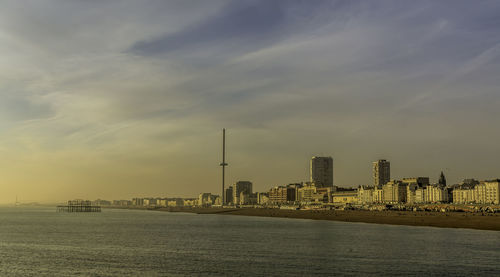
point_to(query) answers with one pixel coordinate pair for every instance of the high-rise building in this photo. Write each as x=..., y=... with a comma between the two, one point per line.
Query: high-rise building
x=381, y=172
x=321, y=171
x=229, y=195
x=239, y=187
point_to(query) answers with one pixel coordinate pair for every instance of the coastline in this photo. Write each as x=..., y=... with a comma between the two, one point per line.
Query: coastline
x=432, y=219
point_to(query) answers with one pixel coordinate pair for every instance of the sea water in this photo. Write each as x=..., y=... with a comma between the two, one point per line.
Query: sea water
x=38, y=241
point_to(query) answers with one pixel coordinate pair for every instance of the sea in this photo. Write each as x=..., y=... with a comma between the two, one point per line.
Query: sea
x=38, y=241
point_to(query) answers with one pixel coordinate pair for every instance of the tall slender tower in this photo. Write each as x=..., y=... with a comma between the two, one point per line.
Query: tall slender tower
x=223, y=164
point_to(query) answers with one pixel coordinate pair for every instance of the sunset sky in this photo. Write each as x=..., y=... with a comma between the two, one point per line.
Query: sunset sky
x=122, y=99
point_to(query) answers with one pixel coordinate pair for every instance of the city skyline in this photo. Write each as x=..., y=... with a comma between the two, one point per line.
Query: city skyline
x=119, y=99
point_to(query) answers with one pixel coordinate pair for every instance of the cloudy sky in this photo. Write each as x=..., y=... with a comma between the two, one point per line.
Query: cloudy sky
x=122, y=99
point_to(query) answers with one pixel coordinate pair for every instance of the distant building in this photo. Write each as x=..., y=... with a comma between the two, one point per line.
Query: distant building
x=138, y=201
x=345, y=197
x=365, y=194
x=262, y=198
x=381, y=172
x=122, y=203
x=150, y=202
x=415, y=189
x=394, y=192
x=378, y=194
x=205, y=199
x=306, y=193
x=420, y=181
x=463, y=195
x=248, y=199
x=436, y=194
x=282, y=194
x=100, y=202
x=162, y=202
x=470, y=182
x=321, y=171
x=239, y=187
x=326, y=194
x=229, y=195
x=216, y=200
x=492, y=191
x=176, y=202
x=190, y=202
x=442, y=179
x=484, y=192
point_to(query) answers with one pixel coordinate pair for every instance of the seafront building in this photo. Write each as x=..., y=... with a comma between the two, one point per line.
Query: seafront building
x=190, y=202
x=394, y=191
x=229, y=195
x=263, y=198
x=378, y=194
x=485, y=192
x=381, y=172
x=239, y=187
x=205, y=199
x=365, y=194
x=436, y=194
x=282, y=194
x=345, y=197
x=321, y=171
x=307, y=193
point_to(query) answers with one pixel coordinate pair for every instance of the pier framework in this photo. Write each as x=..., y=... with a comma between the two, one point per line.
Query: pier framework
x=79, y=206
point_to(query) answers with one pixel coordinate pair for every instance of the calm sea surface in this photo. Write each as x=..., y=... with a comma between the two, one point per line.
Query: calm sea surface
x=40, y=241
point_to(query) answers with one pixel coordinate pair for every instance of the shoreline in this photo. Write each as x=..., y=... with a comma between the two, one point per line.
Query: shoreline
x=409, y=218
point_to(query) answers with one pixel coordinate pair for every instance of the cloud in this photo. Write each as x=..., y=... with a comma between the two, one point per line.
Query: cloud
x=145, y=87
x=240, y=27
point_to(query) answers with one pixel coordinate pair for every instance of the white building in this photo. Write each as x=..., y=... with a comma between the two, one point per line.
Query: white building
x=378, y=194
x=435, y=194
x=463, y=195
x=394, y=192
x=365, y=194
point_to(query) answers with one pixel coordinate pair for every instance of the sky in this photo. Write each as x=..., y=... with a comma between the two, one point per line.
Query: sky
x=122, y=99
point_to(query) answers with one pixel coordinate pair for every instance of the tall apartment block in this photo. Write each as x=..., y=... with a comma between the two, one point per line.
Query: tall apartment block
x=239, y=187
x=321, y=171
x=381, y=172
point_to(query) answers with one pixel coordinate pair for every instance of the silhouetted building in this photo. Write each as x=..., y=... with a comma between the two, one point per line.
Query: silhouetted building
x=321, y=171
x=442, y=179
x=239, y=187
x=229, y=195
x=381, y=172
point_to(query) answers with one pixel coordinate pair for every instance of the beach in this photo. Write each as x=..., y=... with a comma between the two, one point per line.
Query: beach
x=481, y=221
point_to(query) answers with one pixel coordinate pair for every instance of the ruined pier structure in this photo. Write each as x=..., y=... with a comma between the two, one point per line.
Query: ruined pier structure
x=79, y=206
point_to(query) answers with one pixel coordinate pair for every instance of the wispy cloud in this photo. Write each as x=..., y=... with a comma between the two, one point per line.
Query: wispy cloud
x=147, y=86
